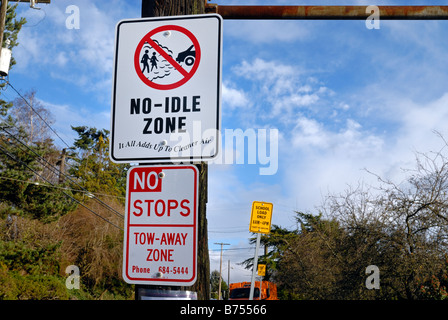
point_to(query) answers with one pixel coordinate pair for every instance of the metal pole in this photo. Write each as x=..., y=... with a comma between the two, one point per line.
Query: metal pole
x=228, y=279
x=220, y=275
x=254, y=269
x=328, y=12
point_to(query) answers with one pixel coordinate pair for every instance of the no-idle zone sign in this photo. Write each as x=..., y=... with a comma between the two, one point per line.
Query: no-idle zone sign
x=160, y=234
x=166, y=94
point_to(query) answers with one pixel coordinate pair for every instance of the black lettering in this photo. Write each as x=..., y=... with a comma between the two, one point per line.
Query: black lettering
x=196, y=104
x=158, y=125
x=167, y=104
x=135, y=106
x=185, y=109
x=170, y=124
x=175, y=104
x=182, y=124
x=146, y=106
x=148, y=123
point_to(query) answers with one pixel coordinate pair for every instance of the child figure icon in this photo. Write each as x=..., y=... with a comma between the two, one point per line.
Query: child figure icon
x=145, y=60
x=153, y=61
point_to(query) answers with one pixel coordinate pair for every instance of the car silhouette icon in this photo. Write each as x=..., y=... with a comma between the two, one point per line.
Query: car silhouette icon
x=188, y=56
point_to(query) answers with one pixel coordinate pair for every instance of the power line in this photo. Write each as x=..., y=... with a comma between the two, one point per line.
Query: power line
x=240, y=231
x=46, y=123
x=79, y=202
x=88, y=193
x=233, y=249
x=60, y=172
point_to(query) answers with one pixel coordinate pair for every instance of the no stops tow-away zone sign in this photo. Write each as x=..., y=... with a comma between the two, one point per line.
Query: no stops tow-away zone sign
x=160, y=234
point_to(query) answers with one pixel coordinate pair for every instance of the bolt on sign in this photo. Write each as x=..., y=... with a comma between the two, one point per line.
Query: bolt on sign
x=166, y=97
x=160, y=231
x=260, y=218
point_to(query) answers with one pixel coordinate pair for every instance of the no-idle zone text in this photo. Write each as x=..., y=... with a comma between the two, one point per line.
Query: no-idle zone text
x=176, y=107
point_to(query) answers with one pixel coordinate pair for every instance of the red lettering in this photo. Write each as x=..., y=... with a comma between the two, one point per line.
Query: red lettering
x=156, y=207
x=184, y=214
x=161, y=207
x=172, y=204
x=144, y=238
x=160, y=255
x=137, y=207
x=149, y=206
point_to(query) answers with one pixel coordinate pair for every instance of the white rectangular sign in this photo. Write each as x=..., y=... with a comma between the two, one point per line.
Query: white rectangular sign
x=160, y=236
x=166, y=97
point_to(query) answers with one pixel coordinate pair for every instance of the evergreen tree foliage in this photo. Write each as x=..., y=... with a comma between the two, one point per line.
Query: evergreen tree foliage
x=93, y=167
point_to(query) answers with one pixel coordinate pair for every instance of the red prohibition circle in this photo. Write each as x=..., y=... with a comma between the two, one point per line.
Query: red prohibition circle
x=186, y=75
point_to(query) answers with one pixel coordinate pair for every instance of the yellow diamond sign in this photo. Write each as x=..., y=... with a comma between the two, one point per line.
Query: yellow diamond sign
x=260, y=219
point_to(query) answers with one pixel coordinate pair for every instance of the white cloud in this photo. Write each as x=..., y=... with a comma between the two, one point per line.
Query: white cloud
x=267, y=71
x=350, y=141
x=266, y=32
x=420, y=119
x=234, y=98
x=322, y=161
x=283, y=90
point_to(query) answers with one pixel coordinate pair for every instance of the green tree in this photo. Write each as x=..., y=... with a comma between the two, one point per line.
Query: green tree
x=214, y=283
x=274, y=245
x=435, y=287
x=92, y=167
x=310, y=263
x=27, y=175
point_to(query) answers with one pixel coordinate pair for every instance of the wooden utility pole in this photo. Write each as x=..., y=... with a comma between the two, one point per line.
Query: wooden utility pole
x=4, y=9
x=220, y=269
x=62, y=166
x=159, y=8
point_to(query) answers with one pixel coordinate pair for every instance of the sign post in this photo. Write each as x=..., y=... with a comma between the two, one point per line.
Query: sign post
x=260, y=222
x=160, y=231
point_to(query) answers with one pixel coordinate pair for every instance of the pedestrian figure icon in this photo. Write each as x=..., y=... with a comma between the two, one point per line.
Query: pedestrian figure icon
x=144, y=60
x=153, y=61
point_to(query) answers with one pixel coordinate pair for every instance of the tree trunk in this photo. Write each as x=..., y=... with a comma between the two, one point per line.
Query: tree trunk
x=159, y=8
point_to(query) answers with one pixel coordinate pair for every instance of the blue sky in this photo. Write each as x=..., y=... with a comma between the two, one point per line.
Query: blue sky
x=342, y=97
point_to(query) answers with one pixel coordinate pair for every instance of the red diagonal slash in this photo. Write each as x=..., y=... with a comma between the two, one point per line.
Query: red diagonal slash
x=167, y=57
x=186, y=75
